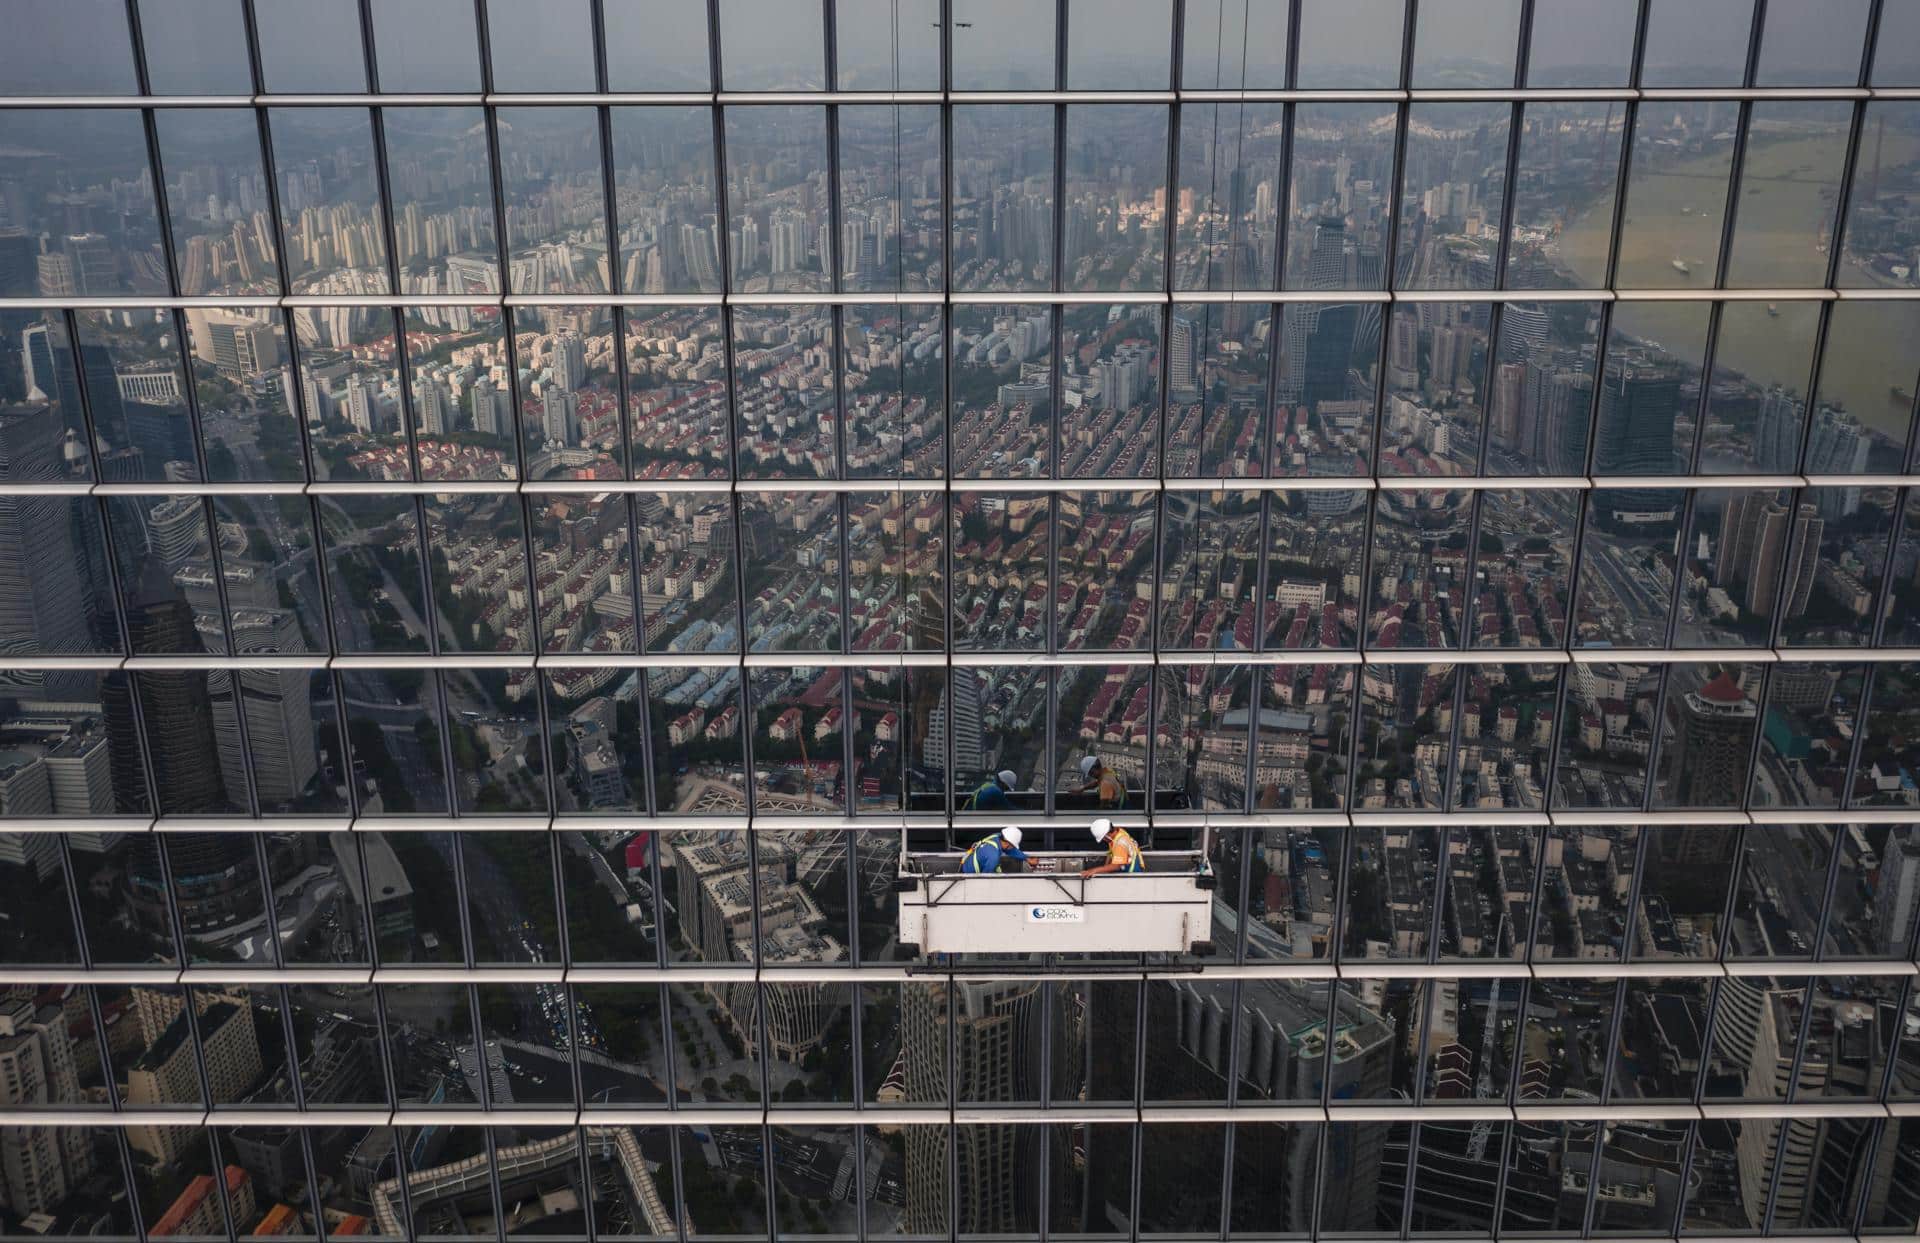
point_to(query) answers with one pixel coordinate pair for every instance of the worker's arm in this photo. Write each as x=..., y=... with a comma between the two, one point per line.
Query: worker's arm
x=1102, y=870
x=1013, y=852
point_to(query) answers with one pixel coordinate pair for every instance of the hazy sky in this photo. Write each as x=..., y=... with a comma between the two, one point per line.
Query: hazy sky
x=81, y=46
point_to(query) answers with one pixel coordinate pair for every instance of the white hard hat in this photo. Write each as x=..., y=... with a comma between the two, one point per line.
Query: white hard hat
x=1011, y=835
x=1088, y=764
x=1101, y=828
x=1007, y=777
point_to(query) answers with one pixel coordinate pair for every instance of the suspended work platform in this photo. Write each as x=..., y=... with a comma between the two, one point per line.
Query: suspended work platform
x=1048, y=909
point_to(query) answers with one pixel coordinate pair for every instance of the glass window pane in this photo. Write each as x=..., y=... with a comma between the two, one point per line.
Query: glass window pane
x=1503, y=753
x=1863, y=399
x=1419, y=564
x=772, y=45
x=1882, y=773
x=393, y=736
x=1436, y=376
x=664, y=196
x=1564, y=188
x=1662, y=1033
x=887, y=45
x=350, y=390
x=1744, y=549
x=439, y=177
x=686, y=577
x=80, y=215
x=499, y=758
x=1541, y=408
x=1452, y=195
x=39, y=928
x=1697, y=43
x=594, y=716
x=1225, y=215
x=656, y=45
x=1521, y=574
x=1209, y=571
x=546, y=46
x=1110, y=369
x=1235, y=45
x=1106, y=541
x=1682, y=160
x=1806, y=735
x=786, y=399
x=1116, y=194
x=583, y=573
x=217, y=197
x=1340, y=191
x=53, y=551
x=1789, y=178
x=1302, y=760
x=44, y=425
x=1406, y=729
x=1812, y=43
x=893, y=365
x=462, y=413
x=64, y=47
x=1707, y=736
x=780, y=238
x=1465, y=44
x=890, y=198
x=373, y=567
x=1896, y=53
x=1002, y=391
x=417, y=918
x=164, y=552
x=329, y=206
x=195, y=47
x=1581, y=43
x=792, y=571
x=1650, y=389
x=1002, y=45
x=1350, y=44
x=509, y=887
x=1881, y=216
x=796, y=742
x=243, y=382
x=1328, y=378
x=569, y=392
x=1003, y=196
x=677, y=392
x=555, y=200
x=1586, y=879
x=1606, y=735
x=136, y=392
x=1756, y=416
x=1389, y=914
x=1203, y=732
x=426, y=45
x=311, y=46
x=1214, y=406
x=1118, y=45
x=1000, y=567
x=1310, y=543
x=1625, y=593
x=696, y=741
x=477, y=567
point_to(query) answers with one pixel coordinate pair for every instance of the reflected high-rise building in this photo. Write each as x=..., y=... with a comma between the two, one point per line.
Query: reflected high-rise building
x=993, y=1029
x=45, y=605
x=40, y=1166
x=1713, y=741
x=1634, y=433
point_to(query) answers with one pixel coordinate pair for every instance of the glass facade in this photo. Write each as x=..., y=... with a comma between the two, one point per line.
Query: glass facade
x=520, y=521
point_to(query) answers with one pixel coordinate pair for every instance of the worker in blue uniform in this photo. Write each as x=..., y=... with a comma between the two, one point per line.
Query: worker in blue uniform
x=992, y=793
x=987, y=854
